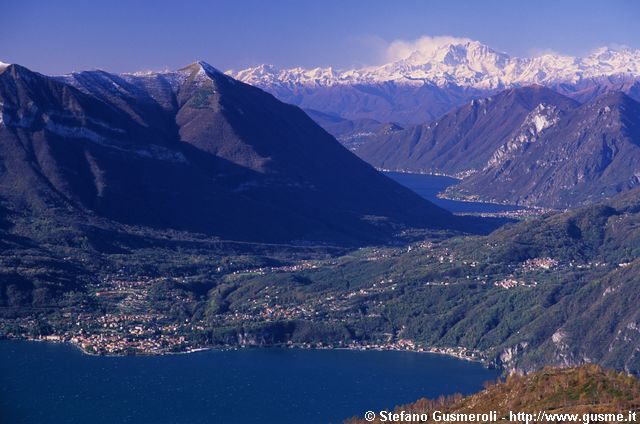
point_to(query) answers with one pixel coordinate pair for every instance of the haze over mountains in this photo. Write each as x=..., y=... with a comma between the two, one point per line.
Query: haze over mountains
x=190, y=150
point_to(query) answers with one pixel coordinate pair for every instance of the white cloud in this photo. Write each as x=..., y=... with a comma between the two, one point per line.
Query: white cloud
x=619, y=47
x=537, y=52
x=401, y=49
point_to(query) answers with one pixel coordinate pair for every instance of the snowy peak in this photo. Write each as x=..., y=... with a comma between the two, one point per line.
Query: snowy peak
x=463, y=62
x=200, y=72
x=200, y=68
x=468, y=53
x=270, y=76
x=624, y=60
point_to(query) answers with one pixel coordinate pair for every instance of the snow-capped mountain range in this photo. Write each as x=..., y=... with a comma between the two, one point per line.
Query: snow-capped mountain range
x=461, y=62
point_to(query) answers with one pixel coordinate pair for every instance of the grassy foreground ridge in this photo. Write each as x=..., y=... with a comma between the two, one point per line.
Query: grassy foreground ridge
x=551, y=392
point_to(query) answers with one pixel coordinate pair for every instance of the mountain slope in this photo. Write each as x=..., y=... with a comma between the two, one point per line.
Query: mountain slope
x=462, y=140
x=556, y=290
x=191, y=150
x=591, y=153
x=587, y=390
x=351, y=133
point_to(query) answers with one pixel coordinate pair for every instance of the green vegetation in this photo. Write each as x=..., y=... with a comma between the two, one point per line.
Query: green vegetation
x=558, y=290
x=583, y=390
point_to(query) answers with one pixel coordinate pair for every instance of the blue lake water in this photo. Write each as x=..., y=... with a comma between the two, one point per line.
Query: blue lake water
x=428, y=186
x=53, y=383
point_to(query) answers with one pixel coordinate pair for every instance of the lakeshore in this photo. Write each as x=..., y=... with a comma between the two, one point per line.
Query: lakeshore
x=401, y=345
x=218, y=385
x=435, y=188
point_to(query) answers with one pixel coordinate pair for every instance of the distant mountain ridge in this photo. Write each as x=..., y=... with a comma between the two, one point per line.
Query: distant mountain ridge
x=462, y=62
x=441, y=75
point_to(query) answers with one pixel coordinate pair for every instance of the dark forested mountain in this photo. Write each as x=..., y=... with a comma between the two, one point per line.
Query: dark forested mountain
x=462, y=140
x=190, y=150
x=590, y=153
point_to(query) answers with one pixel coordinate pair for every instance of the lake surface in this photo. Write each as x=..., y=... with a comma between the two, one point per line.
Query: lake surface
x=55, y=383
x=428, y=186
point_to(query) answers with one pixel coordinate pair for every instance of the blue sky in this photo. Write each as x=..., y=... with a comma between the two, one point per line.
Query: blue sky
x=61, y=36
